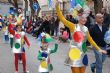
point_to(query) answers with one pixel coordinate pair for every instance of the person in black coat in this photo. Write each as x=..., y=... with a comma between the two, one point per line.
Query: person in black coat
x=45, y=27
x=97, y=32
x=106, y=17
x=52, y=25
x=57, y=22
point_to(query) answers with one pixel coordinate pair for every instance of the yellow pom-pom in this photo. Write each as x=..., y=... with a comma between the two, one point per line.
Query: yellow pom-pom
x=43, y=64
x=74, y=54
x=10, y=16
x=75, y=13
x=19, y=21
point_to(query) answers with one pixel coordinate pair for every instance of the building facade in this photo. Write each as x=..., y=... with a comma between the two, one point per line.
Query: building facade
x=65, y=7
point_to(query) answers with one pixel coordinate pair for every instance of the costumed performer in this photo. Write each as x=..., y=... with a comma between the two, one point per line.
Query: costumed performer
x=77, y=56
x=44, y=53
x=18, y=45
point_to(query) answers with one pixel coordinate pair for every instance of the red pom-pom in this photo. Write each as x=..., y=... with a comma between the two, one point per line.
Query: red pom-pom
x=78, y=36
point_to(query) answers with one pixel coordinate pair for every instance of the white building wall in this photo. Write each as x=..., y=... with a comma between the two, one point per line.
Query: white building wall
x=106, y=4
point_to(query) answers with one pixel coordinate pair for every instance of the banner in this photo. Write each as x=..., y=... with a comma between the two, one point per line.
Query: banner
x=73, y=3
x=36, y=6
x=50, y=3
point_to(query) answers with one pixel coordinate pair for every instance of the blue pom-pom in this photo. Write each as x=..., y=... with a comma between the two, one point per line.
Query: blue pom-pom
x=14, y=28
x=44, y=54
x=85, y=60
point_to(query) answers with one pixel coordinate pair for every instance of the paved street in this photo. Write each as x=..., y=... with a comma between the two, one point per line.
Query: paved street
x=7, y=58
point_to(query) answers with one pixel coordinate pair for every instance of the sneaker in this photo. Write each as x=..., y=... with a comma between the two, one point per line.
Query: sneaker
x=26, y=72
x=93, y=67
x=16, y=71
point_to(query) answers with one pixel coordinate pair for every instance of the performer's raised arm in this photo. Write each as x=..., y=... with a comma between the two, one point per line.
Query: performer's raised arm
x=67, y=23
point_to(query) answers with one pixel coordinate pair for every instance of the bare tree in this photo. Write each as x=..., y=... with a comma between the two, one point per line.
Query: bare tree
x=14, y=3
x=32, y=10
x=26, y=7
x=98, y=4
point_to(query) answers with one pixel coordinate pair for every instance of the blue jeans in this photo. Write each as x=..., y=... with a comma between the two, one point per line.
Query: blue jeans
x=11, y=42
x=6, y=38
x=100, y=58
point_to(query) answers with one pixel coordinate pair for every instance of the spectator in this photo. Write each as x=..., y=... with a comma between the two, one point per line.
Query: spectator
x=52, y=25
x=97, y=32
x=90, y=20
x=80, y=35
x=106, y=17
x=63, y=35
x=57, y=21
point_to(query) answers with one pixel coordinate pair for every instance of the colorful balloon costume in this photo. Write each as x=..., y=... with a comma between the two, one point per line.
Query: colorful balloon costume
x=44, y=54
x=80, y=35
x=18, y=43
x=1, y=22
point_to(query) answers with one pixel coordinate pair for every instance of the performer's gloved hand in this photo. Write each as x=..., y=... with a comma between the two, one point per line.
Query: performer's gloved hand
x=56, y=45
